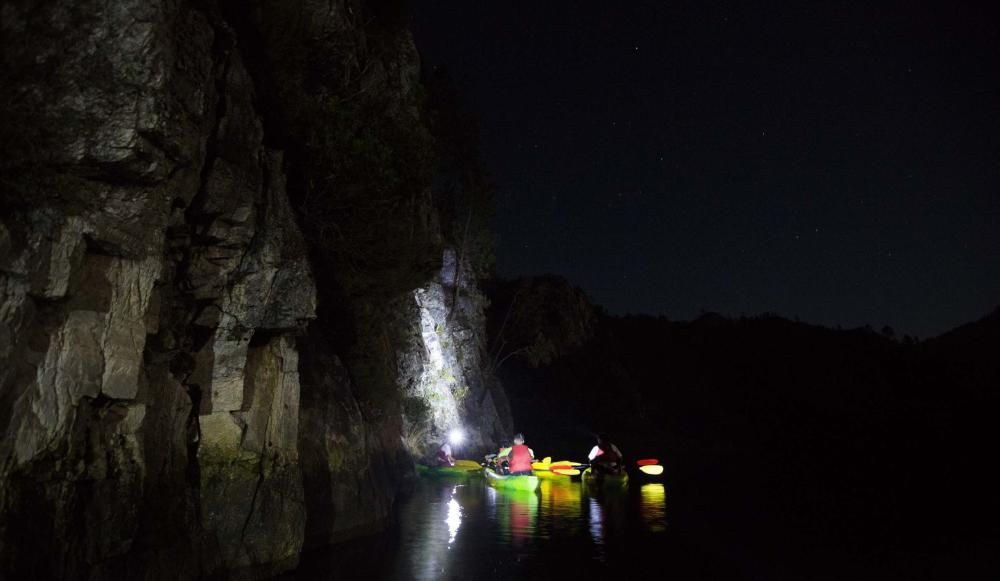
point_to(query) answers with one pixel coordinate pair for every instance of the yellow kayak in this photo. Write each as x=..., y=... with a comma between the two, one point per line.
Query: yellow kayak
x=461, y=469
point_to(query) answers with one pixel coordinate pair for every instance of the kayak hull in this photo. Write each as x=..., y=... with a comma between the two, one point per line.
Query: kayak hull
x=508, y=482
x=448, y=471
x=607, y=481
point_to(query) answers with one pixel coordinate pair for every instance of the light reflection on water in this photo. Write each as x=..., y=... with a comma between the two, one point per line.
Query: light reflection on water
x=445, y=530
x=653, y=506
x=454, y=519
x=456, y=532
x=516, y=514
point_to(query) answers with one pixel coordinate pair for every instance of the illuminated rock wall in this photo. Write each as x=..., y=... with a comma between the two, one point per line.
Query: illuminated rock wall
x=455, y=384
x=201, y=373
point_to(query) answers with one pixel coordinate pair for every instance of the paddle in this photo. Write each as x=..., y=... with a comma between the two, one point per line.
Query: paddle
x=566, y=471
x=650, y=466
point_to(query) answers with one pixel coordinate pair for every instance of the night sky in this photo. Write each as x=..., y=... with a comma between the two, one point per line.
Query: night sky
x=834, y=161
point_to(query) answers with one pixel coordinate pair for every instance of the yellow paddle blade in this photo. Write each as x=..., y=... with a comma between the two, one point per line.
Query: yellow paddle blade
x=470, y=464
x=539, y=465
x=654, y=470
x=547, y=460
x=566, y=471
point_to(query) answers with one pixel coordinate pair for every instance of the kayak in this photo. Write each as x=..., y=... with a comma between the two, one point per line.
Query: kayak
x=529, y=483
x=462, y=470
x=608, y=481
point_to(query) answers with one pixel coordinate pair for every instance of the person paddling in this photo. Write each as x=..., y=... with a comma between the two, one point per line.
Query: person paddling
x=444, y=457
x=605, y=457
x=520, y=457
x=502, y=459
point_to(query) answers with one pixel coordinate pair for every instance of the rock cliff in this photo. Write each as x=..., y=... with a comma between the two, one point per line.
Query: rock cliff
x=232, y=308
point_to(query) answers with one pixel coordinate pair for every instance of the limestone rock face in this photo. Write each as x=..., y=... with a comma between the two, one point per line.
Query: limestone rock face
x=154, y=279
x=449, y=384
x=227, y=323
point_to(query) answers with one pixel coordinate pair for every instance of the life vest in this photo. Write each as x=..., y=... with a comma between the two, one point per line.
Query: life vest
x=520, y=458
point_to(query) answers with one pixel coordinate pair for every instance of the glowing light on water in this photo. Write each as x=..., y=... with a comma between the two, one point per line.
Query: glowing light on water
x=596, y=522
x=454, y=519
x=652, y=504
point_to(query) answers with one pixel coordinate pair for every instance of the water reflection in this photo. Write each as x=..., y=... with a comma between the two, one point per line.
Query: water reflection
x=454, y=519
x=516, y=514
x=606, y=517
x=596, y=521
x=434, y=541
x=561, y=507
x=653, y=507
x=474, y=531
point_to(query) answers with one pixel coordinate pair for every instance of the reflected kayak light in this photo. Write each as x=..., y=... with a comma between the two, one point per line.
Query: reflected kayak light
x=651, y=469
x=647, y=462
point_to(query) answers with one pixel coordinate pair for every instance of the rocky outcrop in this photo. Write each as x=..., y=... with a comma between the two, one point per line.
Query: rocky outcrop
x=210, y=356
x=448, y=381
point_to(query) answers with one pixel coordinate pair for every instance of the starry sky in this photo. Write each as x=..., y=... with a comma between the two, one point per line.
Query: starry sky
x=833, y=161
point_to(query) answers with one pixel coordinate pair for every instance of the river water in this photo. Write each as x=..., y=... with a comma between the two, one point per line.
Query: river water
x=708, y=525
x=565, y=530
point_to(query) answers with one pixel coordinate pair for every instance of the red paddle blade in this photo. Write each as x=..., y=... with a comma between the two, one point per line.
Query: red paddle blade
x=648, y=462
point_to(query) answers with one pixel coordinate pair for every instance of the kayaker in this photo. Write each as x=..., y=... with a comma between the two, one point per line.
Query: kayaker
x=520, y=457
x=605, y=457
x=444, y=457
x=502, y=459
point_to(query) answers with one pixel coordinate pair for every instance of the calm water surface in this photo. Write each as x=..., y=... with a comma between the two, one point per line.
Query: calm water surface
x=468, y=530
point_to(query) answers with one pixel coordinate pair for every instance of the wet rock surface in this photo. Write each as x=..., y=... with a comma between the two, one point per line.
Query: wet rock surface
x=202, y=368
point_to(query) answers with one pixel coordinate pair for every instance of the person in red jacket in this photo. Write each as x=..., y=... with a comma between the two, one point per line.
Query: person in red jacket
x=520, y=457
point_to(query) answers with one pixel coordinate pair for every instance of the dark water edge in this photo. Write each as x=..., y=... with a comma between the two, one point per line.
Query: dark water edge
x=709, y=528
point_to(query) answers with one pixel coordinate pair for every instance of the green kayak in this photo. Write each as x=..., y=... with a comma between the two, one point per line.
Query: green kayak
x=456, y=471
x=529, y=483
x=607, y=481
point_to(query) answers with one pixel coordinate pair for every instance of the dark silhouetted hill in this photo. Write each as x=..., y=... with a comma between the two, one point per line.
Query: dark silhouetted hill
x=849, y=440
